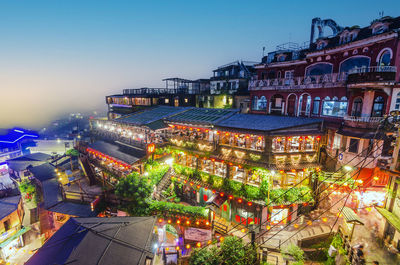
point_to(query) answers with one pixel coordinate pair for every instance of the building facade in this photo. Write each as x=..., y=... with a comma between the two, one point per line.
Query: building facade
x=349, y=79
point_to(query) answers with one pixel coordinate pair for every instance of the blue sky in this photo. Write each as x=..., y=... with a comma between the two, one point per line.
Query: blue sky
x=59, y=56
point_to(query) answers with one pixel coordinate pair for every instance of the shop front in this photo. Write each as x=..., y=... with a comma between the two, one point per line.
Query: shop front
x=11, y=241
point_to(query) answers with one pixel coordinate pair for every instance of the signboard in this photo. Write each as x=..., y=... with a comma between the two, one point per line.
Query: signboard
x=151, y=148
x=197, y=234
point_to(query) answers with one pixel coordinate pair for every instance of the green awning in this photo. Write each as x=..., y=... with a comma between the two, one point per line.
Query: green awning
x=350, y=216
x=390, y=217
x=16, y=235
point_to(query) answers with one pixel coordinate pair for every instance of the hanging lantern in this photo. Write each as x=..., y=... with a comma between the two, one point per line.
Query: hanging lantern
x=249, y=203
x=318, y=138
x=178, y=221
x=198, y=244
x=240, y=200
x=230, y=197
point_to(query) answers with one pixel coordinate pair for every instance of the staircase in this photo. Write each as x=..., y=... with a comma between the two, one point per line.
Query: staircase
x=87, y=169
x=163, y=184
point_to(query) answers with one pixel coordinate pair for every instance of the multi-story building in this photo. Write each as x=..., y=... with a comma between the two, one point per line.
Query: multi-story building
x=11, y=229
x=229, y=87
x=242, y=162
x=10, y=143
x=349, y=79
x=178, y=92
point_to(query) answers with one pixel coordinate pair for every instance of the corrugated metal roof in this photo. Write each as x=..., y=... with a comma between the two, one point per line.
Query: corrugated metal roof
x=350, y=216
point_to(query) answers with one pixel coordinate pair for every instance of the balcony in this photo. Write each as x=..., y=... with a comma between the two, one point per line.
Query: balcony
x=300, y=82
x=362, y=122
x=384, y=75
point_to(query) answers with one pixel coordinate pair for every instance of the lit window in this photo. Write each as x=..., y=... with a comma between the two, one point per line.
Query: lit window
x=334, y=107
x=166, y=100
x=186, y=100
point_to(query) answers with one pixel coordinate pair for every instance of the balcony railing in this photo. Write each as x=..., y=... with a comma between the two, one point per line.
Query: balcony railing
x=300, y=82
x=372, y=74
x=374, y=69
x=367, y=119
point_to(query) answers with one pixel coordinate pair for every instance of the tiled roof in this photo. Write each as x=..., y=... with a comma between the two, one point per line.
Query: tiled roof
x=265, y=122
x=73, y=209
x=123, y=153
x=43, y=172
x=149, y=115
x=202, y=116
x=115, y=240
x=8, y=205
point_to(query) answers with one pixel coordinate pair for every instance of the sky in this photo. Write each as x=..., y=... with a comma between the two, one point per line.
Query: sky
x=59, y=57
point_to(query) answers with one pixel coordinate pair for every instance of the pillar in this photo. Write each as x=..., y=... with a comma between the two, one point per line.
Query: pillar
x=368, y=102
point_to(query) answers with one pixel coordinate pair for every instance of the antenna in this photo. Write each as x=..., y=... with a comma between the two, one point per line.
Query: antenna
x=263, y=51
x=381, y=13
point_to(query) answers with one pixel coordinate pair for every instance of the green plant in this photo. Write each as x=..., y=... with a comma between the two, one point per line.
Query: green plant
x=136, y=190
x=29, y=191
x=294, y=251
x=165, y=208
x=155, y=171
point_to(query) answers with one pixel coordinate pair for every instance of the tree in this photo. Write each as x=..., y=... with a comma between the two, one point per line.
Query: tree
x=232, y=251
x=72, y=153
x=294, y=251
x=136, y=190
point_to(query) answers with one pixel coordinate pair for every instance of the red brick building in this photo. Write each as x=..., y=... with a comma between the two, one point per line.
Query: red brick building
x=349, y=78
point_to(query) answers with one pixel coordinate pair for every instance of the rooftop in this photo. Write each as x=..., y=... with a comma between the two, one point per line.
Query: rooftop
x=149, y=116
x=265, y=122
x=202, y=116
x=116, y=240
x=121, y=152
x=12, y=136
x=8, y=205
x=43, y=172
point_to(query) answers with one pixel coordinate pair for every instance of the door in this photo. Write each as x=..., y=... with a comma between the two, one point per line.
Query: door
x=291, y=108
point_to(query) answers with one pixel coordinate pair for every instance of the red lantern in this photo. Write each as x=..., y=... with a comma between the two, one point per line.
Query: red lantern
x=249, y=203
x=240, y=200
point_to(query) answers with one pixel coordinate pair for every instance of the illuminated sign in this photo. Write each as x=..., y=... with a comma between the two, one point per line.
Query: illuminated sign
x=151, y=148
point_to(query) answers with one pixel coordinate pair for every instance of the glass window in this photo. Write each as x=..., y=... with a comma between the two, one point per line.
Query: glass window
x=357, y=107
x=319, y=69
x=397, y=106
x=294, y=144
x=278, y=144
x=334, y=107
x=336, y=141
x=353, y=147
x=316, y=103
x=355, y=63
x=262, y=103
x=385, y=59
x=309, y=143
x=377, y=109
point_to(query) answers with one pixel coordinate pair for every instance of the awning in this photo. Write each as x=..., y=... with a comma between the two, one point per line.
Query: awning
x=20, y=232
x=370, y=134
x=350, y=216
x=390, y=217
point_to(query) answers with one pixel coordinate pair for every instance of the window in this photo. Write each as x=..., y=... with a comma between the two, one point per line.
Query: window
x=319, y=69
x=166, y=100
x=186, y=100
x=385, y=58
x=7, y=225
x=397, y=106
x=367, y=147
x=336, y=141
x=334, y=107
x=321, y=45
x=262, y=103
x=353, y=146
x=278, y=144
x=377, y=109
x=316, y=104
x=289, y=74
x=357, y=107
x=356, y=63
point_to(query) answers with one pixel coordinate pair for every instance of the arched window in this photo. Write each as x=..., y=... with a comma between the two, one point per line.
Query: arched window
x=397, y=106
x=356, y=63
x=377, y=108
x=334, y=107
x=385, y=58
x=357, y=107
x=319, y=69
x=262, y=103
x=316, y=103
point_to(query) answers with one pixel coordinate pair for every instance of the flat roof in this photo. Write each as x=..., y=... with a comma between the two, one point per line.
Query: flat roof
x=43, y=172
x=202, y=116
x=121, y=152
x=259, y=122
x=115, y=240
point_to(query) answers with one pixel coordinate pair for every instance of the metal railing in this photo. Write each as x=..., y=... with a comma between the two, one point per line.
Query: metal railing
x=368, y=119
x=300, y=82
x=374, y=69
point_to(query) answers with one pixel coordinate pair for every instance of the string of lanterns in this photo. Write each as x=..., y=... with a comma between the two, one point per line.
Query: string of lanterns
x=108, y=158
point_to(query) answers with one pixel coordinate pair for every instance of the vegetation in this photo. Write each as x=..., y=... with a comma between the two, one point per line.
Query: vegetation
x=295, y=252
x=72, y=153
x=155, y=170
x=232, y=251
x=277, y=196
x=136, y=190
x=170, y=208
x=28, y=191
